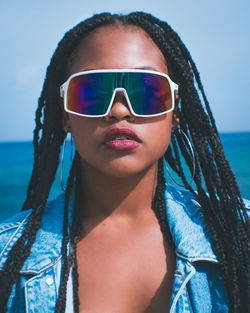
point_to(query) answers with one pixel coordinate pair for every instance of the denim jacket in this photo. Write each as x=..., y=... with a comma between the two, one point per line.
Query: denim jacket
x=197, y=287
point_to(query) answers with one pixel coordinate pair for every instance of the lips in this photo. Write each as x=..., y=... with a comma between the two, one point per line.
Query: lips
x=116, y=133
x=121, y=139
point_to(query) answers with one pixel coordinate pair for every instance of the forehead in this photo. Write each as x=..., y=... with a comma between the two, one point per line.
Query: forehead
x=117, y=47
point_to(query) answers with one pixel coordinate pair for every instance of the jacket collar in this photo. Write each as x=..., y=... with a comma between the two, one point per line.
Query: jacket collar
x=187, y=226
x=184, y=217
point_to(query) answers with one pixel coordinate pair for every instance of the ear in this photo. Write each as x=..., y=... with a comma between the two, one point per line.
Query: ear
x=65, y=119
x=66, y=122
x=176, y=116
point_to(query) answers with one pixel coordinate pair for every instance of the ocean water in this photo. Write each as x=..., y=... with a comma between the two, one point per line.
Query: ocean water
x=16, y=160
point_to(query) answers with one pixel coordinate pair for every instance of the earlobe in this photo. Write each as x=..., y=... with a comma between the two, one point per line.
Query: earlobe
x=175, y=121
x=176, y=115
x=66, y=122
x=65, y=118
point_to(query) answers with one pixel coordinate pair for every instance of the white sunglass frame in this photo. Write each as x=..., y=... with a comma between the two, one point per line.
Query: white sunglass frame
x=64, y=91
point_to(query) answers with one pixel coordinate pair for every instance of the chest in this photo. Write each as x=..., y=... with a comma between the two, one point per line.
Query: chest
x=121, y=272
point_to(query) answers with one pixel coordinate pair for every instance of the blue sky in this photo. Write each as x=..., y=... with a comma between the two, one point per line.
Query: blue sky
x=215, y=32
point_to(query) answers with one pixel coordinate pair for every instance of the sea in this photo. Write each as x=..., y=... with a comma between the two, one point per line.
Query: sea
x=16, y=160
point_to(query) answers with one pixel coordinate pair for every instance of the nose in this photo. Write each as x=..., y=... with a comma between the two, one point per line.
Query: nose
x=120, y=109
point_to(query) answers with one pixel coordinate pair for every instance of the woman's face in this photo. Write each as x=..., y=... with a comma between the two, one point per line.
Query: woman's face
x=119, y=47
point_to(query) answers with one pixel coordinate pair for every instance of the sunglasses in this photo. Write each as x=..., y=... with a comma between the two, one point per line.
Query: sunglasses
x=91, y=93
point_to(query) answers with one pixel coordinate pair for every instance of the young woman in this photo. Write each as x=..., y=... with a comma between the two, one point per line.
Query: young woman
x=121, y=238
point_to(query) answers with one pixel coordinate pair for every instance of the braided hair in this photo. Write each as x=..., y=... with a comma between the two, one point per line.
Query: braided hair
x=216, y=187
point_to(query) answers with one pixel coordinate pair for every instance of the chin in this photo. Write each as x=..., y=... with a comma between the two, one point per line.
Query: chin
x=120, y=167
x=127, y=169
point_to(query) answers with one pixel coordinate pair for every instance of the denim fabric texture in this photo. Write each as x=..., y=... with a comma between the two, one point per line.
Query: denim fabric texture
x=197, y=287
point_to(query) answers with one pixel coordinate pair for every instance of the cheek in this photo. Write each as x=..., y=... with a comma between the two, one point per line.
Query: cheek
x=81, y=129
x=159, y=136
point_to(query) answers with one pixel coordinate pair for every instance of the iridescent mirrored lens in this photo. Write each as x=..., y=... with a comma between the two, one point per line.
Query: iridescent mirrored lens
x=90, y=94
x=148, y=93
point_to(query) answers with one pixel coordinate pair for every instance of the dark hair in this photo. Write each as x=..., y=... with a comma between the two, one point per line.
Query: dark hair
x=217, y=190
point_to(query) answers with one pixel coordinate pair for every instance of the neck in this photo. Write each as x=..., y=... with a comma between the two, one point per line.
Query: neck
x=126, y=197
